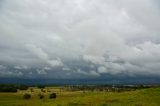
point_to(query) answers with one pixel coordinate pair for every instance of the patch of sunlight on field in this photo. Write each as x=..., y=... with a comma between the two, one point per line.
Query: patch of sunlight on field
x=145, y=97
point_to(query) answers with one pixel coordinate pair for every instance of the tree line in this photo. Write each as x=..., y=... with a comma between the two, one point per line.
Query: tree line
x=12, y=87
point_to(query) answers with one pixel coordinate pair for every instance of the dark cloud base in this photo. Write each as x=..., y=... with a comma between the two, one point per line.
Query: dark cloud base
x=100, y=81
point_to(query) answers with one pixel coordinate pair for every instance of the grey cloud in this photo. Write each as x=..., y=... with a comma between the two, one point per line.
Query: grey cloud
x=90, y=73
x=66, y=68
x=2, y=67
x=79, y=38
x=44, y=56
x=5, y=72
x=41, y=72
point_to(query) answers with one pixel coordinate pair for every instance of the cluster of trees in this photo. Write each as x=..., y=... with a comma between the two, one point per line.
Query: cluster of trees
x=15, y=87
x=12, y=87
x=8, y=88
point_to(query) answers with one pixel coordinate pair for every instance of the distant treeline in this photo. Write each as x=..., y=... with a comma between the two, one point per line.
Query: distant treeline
x=109, y=88
x=112, y=88
x=15, y=87
x=12, y=87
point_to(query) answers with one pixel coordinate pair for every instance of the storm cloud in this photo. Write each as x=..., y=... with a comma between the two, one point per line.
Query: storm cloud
x=79, y=38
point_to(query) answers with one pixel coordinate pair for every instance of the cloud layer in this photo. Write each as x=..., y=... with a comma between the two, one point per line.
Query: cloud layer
x=79, y=38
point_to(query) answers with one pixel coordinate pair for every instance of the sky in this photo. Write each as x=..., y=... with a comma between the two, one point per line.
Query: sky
x=79, y=38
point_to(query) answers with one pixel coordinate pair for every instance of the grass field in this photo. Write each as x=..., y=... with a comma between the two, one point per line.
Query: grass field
x=144, y=97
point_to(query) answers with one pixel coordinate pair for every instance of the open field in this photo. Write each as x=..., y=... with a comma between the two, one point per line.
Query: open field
x=143, y=97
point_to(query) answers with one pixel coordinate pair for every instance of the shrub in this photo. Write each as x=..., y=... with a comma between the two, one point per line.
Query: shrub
x=41, y=96
x=52, y=95
x=27, y=96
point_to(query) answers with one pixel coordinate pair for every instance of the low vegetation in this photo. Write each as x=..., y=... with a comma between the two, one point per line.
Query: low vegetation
x=41, y=96
x=53, y=95
x=27, y=96
x=79, y=95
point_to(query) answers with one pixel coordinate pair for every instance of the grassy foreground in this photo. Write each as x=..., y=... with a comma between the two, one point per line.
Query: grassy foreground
x=144, y=97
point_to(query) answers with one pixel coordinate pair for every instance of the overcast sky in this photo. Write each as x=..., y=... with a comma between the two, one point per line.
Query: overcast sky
x=79, y=38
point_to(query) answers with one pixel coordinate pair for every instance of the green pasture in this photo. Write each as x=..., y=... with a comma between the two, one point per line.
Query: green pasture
x=144, y=97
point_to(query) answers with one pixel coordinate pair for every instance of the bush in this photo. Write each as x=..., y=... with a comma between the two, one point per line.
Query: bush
x=27, y=96
x=41, y=96
x=52, y=95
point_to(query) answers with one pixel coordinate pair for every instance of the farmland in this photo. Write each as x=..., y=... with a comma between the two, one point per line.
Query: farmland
x=139, y=97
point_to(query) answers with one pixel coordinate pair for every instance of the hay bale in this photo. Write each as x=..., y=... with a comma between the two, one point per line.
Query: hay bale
x=52, y=96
